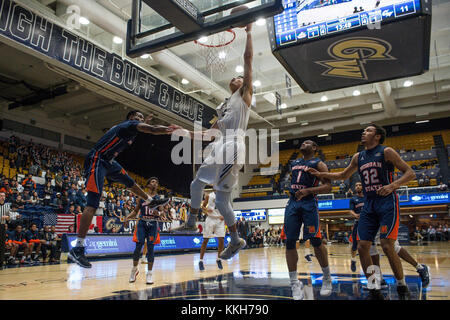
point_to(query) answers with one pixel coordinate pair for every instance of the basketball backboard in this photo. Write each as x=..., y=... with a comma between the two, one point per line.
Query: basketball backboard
x=156, y=25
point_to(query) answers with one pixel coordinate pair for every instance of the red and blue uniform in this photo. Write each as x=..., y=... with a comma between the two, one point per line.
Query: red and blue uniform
x=100, y=163
x=147, y=226
x=378, y=212
x=356, y=204
x=305, y=210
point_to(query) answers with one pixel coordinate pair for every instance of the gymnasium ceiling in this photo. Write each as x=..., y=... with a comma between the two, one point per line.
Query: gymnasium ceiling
x=427, y=98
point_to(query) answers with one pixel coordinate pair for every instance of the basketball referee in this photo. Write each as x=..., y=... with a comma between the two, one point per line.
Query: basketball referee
x=4, y=214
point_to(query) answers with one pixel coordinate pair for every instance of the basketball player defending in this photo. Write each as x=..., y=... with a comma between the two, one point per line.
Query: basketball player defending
x=375, y=166
x=146, y=229
x=302, y=208
x=214, y=227
x=100, y=163
x=356, y=204
x=233, y=115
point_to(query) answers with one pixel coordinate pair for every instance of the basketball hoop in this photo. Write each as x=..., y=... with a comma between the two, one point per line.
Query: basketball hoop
x=214, y=49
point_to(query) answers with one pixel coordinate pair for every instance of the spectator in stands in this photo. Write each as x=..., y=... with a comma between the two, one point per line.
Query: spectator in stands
x=78, y=210
x=349, y=193
x=57, y=201
x=65, y=183
x=34, y=242
x=445, y=232
x=34, y=199
x=17, y=236
x=242, y=228
x=72, y=192
x=50, y=243
x=19, y=202
x=26, y=197
x=58, y=181
x=81, y=198
x=5, y=188
x=65, y=200
x=439, y=233
x=48, y=193
x=110, y=209
x=29, y=184
x=101, y=207
x=417, y=235
x=442, y=186
x=71, y=210
x=345, y=238
x=342, y=187
x=34, y=169
x=431, y=233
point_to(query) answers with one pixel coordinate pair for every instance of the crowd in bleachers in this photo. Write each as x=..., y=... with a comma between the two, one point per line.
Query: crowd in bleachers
x=37, y=180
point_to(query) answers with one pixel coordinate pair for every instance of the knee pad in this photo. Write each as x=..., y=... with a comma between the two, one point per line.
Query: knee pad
x=316, y=242
x=397, y=246
x=150, y=253
x=290, y=244
x=137, y=251
x=373, y=250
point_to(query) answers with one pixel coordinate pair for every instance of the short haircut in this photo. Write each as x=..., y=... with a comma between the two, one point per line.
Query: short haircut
x=152, y=178
x=131, y=113
x=379, y=130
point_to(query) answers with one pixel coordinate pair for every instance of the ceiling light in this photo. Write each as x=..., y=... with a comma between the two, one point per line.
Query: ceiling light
x=239, y=68
x=184, y=81
x=304, y=123
x=145, y=56
x=431, y=216
x=257, y=83
x=291, y=119
x=322, y=135
x=202, y=39
x=377, y=106
x=410, y=216
x=356, y=93
x=222, y=54
x=117, y=40
x=423, y=121
x=324, y=98
x=260, y=22
x=408, y=83
x=283, y=106
x=281, y=141
x=84, y=21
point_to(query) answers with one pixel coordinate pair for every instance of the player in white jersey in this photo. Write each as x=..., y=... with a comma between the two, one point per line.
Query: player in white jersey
x=221, y=167
x=214, y=227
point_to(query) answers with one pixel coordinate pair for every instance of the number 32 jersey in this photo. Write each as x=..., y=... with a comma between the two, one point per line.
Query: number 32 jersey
x=374, y=171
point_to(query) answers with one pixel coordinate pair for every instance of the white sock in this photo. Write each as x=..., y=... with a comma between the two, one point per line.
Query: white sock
x=401, y=282
x=353, y=259
x=307, y=251
x=80, y=242
x=326, y=272
x=419, y=267
x=218, y=259
x=293, y=276
x=134, y=268
x=149, y=272
x=201, y=260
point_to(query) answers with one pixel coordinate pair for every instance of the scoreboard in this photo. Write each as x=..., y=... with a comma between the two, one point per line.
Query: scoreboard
x=251, y=215
x=312, y=19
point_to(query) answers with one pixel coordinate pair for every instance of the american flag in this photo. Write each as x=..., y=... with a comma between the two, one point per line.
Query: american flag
x=61, y=221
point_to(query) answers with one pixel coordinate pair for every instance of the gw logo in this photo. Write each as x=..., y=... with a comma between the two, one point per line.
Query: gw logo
x=351, y=54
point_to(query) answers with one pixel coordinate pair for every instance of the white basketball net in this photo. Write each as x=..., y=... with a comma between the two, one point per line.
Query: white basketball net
x=215, y=50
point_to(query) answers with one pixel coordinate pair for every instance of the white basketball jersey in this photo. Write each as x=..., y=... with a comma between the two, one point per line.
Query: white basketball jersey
x=233, y=114
x=212, y=205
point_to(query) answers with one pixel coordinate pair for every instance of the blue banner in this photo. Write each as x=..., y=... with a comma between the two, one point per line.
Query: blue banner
x=34, y=31
x=122, y=244
x=413, y=200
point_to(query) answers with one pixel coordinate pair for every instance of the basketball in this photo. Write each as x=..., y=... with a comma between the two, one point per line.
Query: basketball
x=239, y=9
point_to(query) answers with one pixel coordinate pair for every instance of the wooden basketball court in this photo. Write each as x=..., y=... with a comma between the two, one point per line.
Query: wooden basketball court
x=256, y=273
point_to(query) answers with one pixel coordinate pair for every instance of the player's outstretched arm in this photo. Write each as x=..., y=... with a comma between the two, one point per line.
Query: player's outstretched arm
x=343, y=175
x=247, y=87
x=156, y=129
x=408, y=174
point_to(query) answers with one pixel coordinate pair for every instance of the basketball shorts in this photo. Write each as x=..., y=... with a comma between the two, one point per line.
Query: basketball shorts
x=95, y=172
x=214, y=227
x=302, y=212
x=381, y=213
x=221, y=167
x=146, y=230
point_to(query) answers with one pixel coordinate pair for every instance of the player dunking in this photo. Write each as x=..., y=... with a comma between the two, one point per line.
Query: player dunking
x=375, y=166
x=301, y=208
x=356, y=204
x=214, y=227
x=146, y=230
x=233, y=115
x=100, y=163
